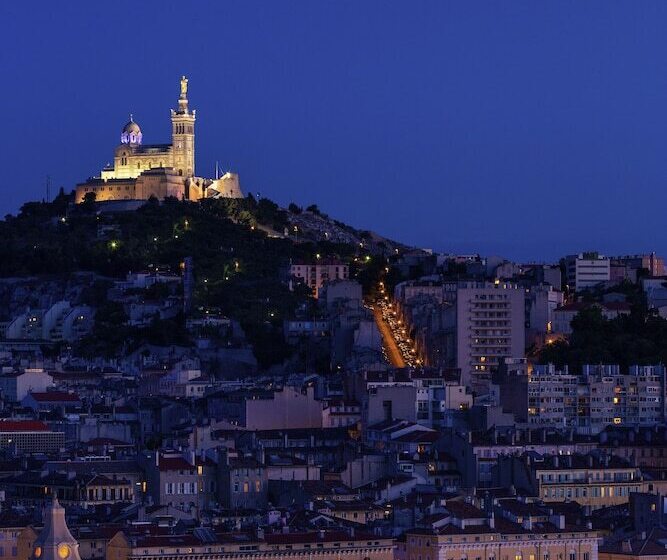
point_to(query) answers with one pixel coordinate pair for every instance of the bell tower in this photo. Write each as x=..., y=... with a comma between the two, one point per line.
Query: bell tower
x=55, y=542
x=183, y=134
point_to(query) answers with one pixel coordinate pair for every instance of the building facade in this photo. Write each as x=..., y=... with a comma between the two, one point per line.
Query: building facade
x=600, y=396
x=490, y=326
x=316, y=275
x=586, y=270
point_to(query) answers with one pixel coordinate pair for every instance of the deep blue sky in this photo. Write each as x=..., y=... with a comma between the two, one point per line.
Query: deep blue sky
x=528, y=129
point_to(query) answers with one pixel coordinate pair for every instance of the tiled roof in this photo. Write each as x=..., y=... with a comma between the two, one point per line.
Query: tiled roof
x=23, y=426
x=55, y=396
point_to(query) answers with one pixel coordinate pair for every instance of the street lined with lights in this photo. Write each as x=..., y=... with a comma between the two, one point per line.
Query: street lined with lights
x=399, y=347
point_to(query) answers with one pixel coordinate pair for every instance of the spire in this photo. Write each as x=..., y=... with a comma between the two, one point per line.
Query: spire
x=55, y=542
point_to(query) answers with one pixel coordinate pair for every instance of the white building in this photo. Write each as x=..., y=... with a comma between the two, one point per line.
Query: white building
x=598, y=397
x=563, y=316
x=15, y=386
x=59, y=322
x=490, y=325
x=544, y=300
x=586, y=270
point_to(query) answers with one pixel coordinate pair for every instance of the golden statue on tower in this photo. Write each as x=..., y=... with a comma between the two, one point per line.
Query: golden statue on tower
x=184, y=87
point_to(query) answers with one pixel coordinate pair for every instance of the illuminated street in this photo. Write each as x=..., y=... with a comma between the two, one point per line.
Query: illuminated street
x=398, y=344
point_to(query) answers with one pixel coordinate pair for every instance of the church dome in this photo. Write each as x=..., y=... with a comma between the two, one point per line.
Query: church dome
x=132, y=128
x=131, y=133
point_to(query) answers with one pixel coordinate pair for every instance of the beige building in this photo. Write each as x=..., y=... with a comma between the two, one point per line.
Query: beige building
x=465, y=532
x=323, y=545
x=316, y=275
x=141, y=171
x=9, y=539
x=591, y=484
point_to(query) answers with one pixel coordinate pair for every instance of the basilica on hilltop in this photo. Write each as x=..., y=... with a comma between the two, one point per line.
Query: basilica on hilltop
x=141, y=171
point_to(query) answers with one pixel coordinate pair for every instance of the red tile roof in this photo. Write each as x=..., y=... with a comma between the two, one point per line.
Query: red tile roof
x=55, y=396
x=174, y=464
x=23, y=426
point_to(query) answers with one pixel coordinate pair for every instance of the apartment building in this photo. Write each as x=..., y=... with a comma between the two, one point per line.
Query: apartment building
x=463, y=531
x=490, y=326
x=316, y=275
x=598, y=397
x=29, y=436
x=204, y=544
x=589, y=479
x=586, y=270
x=563, y=315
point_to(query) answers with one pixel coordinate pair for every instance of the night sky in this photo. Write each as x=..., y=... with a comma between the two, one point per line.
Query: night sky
x=521, y=128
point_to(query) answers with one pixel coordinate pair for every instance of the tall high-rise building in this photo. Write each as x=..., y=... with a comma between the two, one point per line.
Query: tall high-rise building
x=490, y=325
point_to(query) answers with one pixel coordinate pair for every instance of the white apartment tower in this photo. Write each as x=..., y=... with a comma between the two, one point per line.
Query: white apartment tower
x=586, y=270
x=490, y=325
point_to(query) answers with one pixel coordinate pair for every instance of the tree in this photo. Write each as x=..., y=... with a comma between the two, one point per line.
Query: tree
x=88, y=203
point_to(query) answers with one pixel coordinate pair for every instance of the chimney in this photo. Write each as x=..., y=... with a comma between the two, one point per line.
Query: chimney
x=492, y=521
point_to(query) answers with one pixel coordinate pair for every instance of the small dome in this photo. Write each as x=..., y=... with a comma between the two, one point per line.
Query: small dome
x=131, y=133
x=131, y=127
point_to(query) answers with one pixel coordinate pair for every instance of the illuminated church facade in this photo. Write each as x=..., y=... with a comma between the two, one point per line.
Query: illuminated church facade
x=141, y=171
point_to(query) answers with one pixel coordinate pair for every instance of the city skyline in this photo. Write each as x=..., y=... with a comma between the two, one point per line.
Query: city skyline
x=333, y=279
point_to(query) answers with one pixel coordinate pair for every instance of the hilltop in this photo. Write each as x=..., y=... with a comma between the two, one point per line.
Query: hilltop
x=240, y=249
